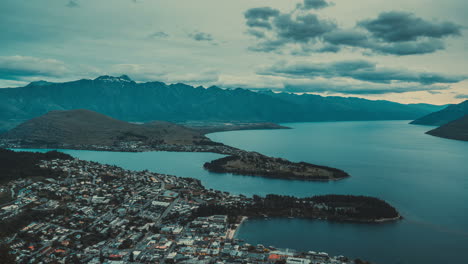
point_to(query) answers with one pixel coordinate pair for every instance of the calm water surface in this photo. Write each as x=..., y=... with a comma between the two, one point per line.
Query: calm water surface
x=425, y=177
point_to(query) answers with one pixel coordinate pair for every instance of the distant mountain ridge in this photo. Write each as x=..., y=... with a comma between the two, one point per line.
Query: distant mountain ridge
x=457, y=129
x=84, y=127
x=124, y=99
x=444, y=116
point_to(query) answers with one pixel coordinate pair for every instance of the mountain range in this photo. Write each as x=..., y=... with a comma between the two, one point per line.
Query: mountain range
x=444, y=116
x=124, y=99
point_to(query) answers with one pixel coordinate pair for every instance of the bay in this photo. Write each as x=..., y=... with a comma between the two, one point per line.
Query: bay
x=424, y=177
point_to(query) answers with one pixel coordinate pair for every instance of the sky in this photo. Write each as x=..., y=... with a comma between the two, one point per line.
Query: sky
x=409, y=51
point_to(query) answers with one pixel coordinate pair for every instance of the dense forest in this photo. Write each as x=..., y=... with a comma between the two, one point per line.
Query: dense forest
x=331, y=207
x=12, y=225
x=14, y=165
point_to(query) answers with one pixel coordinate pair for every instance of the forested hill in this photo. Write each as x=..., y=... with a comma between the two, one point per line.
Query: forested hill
x=14, y=165
x=84, y=127
x=457, y=129
x=124, y=99
x=331, y=207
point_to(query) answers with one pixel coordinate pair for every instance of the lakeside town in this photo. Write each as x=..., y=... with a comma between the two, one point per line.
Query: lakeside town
x=238, y=161
x=126, y=146
x=95, y=213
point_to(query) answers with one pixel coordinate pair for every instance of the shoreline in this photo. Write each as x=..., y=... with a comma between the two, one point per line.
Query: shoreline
x=262, y=162
x=256, y=164
x=232, y=232
x=331, y=207
x=350, y=220
x=286, y=178
x=218, y=127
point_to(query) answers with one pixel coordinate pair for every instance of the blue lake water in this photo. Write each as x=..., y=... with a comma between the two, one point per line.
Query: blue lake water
x=424, y=177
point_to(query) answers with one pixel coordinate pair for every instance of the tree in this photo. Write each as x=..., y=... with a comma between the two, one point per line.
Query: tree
x=5, y=256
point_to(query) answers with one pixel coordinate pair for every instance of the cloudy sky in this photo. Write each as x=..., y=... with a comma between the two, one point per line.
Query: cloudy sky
x=400, y=50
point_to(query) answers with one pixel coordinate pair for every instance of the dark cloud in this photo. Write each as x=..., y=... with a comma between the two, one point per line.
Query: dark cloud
x=159, y=34
x=269, y=45
x=201, y=36
x=360, y=70
x=260, y=17
x=262, y=13
x=72, y=4
x=461, y=96
x=402, y=26
x=329, y=48
x=301, y=28
x=258, y=23
x=275, y=30
x=347, y=37
x=307, y=50
x=20, y=67
x=391, y=33
x=313, y=4
x=407, y=48
x=256, y=33
x=356, y=38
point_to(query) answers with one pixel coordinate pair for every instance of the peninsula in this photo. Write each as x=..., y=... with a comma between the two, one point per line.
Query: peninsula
x=444, y=116
x=457, y=130
x=86, y=212
x=349, y=208
x=212, y=127
x=88, y=130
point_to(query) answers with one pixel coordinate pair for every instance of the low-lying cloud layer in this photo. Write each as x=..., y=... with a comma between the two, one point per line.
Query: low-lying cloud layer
x=356, y=88
x=361, y=70
x=19, y=67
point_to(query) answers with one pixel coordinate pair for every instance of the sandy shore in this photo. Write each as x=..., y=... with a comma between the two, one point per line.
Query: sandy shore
x=232, y=232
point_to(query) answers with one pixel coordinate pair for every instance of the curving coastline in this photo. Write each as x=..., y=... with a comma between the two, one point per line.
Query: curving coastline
x=83, y=129
x=256, y=164
x=343, y=208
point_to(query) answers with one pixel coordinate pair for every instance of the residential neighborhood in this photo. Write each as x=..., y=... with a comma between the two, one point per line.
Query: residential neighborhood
x=95, y=213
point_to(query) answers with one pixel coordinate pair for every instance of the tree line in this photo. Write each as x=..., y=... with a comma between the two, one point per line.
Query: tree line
x=14, y=165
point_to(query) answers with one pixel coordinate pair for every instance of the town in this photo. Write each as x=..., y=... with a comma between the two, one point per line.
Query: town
x=95, y=213
x=238, y=161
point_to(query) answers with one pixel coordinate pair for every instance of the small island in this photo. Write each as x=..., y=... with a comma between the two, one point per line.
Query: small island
x=256, y=164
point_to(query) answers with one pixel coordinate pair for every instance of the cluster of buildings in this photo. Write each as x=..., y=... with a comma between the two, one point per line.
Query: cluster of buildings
x=95, y=213
x=127, y=146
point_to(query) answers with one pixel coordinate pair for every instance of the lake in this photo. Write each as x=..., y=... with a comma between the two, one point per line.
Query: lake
x=424, y=177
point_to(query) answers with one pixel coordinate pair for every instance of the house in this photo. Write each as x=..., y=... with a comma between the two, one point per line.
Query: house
x=292, y=260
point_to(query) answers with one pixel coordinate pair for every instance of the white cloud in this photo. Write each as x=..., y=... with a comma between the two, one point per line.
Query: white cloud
x=20, y=67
